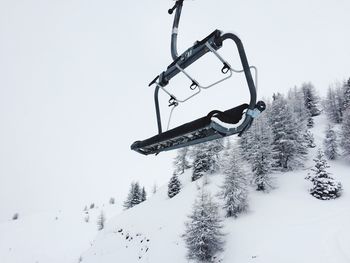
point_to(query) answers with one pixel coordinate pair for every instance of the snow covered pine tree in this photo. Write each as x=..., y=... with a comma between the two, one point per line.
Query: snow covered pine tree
x=203, y=236
x=330, y=144
x=346, y=88
x=325, y=187
x=101, y=221
x=143, y=194
x=345, y=133
x=181, y=163
x=234, y=190
x=203, y=162
x=310, y=99
x=174, y=186
x=298, y=102
x=334, y=104
x=259, y=152
x=309, y=139
x=134, y=196
x=289, y=149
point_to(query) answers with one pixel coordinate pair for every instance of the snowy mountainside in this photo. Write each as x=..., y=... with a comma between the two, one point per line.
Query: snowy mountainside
x=51, y=236
x=285, y=225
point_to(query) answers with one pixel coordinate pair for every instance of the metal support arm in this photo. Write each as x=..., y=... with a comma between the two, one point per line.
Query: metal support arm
x=174, y=32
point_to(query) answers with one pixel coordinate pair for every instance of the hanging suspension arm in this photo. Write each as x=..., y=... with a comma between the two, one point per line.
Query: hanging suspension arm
x=178, y=6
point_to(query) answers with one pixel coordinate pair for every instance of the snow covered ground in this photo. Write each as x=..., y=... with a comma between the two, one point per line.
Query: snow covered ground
x=285, y=225
x=52, y=236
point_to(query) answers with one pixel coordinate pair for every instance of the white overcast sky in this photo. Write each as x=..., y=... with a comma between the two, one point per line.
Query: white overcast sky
x=74, y=75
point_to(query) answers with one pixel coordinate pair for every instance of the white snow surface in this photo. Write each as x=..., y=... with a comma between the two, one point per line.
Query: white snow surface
x=285, y=225
x=56, y=236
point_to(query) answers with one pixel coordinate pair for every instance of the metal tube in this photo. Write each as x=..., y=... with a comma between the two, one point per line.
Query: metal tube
x=245, y=66
x=174, y=32
x=156, y=102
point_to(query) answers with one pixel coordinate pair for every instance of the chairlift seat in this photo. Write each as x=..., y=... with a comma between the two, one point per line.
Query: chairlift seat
x=189, y=133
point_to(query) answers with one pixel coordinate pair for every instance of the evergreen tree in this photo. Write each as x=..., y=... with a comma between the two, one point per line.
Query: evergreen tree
x=174, y=186
x=310, y=99
x=203, y=162
x=334, y=104
x=246, y=144
x=345, y=133
x=330, y=144
x=143, y=194
x=137, y=195
x=257, y=148
x=262, y=154
x=297, y=104
x=324, y=186
x=203, y=236
x=310, y=122
x=309, y=139
x=289, y=147
x=234, y=190
x=15, y=216
x=134, y=196
x=346, y=92
x=215, y=148
x=101, y=221
x=112, y=201
x=181, y=162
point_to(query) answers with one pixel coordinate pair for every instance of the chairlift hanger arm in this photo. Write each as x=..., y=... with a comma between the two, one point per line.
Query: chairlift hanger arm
x=178, y=6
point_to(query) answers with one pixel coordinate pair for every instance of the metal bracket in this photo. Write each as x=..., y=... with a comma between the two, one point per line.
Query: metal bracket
x=253, y=113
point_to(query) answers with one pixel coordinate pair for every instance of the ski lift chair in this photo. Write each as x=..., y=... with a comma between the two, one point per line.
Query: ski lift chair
x=216, y=124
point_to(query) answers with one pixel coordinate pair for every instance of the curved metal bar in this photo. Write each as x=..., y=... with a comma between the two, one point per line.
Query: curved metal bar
x=174, y=32
x=245, y=66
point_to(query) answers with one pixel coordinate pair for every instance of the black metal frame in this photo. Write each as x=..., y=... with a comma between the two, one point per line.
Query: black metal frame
x=200, y=48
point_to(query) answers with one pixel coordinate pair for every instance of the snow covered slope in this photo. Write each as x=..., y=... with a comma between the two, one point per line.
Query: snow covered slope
x=285, y=225
x=52, y=236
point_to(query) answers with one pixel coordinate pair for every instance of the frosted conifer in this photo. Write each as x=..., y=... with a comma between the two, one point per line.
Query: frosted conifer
x=289, y=149
x=203, y=161
x=15, y=216
x=262, y=154
x=297, y=103
x=324, y=186
x=137, y=195
x=181, y=162
x=101, y=221
x=234, y=190
x=309, y=139
x=143, y=194
x=174, y=186
x=346, y=91
x=134, y=196
x=345, y=133
x=334, y=104
x=330, y=144
x=310, y=99
x=112, y=201
x=203, y=236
